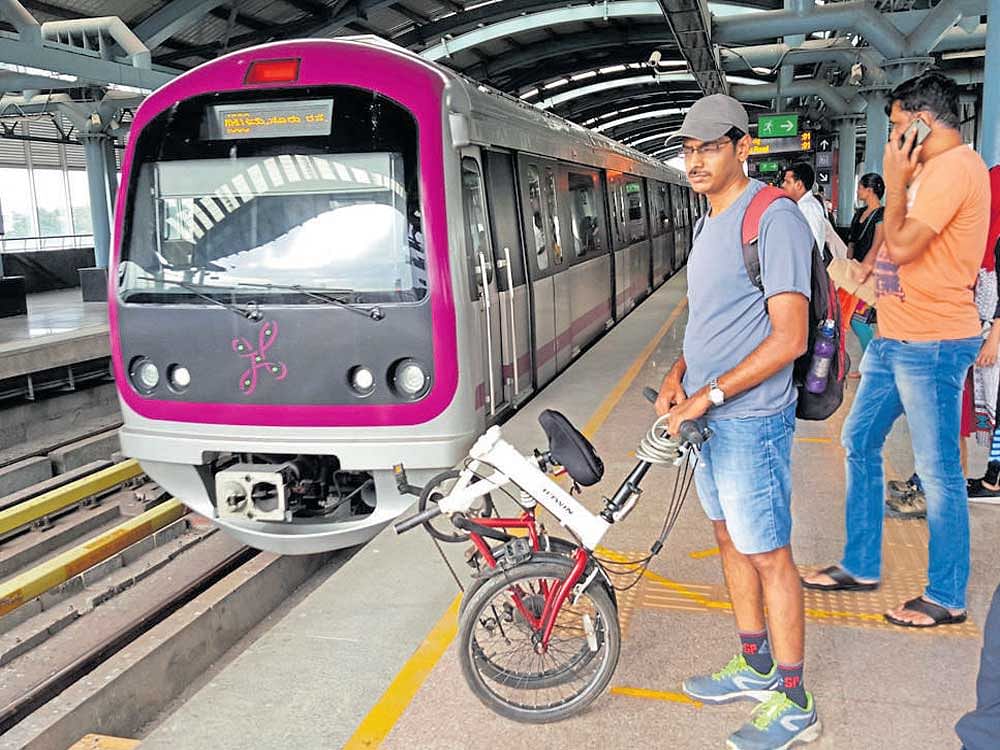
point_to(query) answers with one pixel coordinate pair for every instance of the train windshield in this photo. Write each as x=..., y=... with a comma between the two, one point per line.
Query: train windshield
x=265, y=210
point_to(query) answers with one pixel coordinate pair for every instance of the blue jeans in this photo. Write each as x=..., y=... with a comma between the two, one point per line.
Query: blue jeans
x=744, y=477
x=924, y=380
x=980, y=729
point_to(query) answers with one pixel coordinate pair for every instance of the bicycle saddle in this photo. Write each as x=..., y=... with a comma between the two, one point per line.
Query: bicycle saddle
x=570, y=449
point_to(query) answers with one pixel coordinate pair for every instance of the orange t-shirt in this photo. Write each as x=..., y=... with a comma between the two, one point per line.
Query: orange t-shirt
x=930, y=298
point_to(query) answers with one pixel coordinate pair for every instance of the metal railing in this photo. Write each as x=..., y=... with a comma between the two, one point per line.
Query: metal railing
x=48, y=242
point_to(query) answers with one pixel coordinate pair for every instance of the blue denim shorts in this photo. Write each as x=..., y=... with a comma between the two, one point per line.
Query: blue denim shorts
x=744, y=478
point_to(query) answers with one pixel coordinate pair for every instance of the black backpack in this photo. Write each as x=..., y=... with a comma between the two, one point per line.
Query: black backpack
x=822, y=306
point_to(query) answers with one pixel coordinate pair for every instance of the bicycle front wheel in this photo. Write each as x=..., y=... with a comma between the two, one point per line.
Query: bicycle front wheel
x=511, y=675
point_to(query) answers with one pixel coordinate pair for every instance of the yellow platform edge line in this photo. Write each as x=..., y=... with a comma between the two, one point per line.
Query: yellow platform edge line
x=377, y=724
x=26, y=586
x=386, y=712
x=823, y=440
x=656, y=695
x=104, y=742
x=55, y=500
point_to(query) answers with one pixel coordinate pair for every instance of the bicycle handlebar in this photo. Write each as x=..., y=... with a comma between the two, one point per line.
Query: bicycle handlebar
x=416, y=520
x=692, y=431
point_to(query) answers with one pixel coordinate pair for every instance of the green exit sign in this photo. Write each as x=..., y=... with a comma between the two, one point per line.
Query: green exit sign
x=768, y=166
x=777, y=126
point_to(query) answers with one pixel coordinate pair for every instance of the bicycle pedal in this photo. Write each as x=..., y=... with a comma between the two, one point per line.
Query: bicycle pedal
x=514, y=552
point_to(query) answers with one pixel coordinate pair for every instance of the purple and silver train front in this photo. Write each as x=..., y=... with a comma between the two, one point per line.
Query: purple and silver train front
x=283, y=317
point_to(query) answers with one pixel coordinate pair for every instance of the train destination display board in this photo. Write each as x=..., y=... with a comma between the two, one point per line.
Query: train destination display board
x=290, y=119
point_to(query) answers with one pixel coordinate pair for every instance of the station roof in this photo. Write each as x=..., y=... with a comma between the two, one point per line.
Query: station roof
x=588, y=60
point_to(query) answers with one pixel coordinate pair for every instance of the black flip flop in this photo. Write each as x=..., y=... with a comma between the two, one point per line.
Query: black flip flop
x=844, y=581
x=980, y=490
x=936, y=612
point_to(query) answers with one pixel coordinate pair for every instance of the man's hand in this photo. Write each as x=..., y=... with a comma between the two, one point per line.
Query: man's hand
x=900, y=162
x=692, y=408
x=671, y=394
x=860, y=272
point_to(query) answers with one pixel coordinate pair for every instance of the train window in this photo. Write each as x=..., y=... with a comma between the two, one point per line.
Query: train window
x=553, y=211
x=277, y=219
x=634, y=202
x=537, y=220
x=477, y=241
x=584, y=214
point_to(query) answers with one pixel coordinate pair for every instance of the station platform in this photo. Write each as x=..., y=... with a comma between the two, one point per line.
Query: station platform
x=366, y=660
x=59, y=331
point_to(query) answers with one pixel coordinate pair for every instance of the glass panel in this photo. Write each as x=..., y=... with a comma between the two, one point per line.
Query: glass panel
x=79, y=197
x=18, y=216
x=53, y=213
x=553, y=210
x=537, y=222
x=634, y=192
x=329, y=222
x=475, y=221
x=583, y=211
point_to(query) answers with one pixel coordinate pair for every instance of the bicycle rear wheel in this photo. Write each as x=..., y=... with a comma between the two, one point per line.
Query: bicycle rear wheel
x=498, y=654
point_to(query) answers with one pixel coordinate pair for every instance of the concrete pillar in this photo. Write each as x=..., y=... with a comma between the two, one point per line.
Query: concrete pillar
x=94, y=145
x=846, y=168
x=877, y=129
x=990, y=121
x=111, y=168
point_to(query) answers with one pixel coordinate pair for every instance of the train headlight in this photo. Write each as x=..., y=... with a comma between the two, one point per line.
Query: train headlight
x=144, y=374
x=410, y=379
x=179, y=377
x=362, y=380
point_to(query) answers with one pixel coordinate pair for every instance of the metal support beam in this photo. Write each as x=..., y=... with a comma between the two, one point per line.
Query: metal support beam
x=846, y=169
x=835, y=101
x=991, y=93
x=95, y=148
x=876, y=129
x=173, y=18
x=837, y=50
x=691, y=24
x=112, y=26
x=28, y=29
x=786, y=76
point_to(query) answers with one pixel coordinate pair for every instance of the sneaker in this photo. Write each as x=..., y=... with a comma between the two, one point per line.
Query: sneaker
x=777, y=724
x=911, y=505
x=897, y=488
x=737, y=681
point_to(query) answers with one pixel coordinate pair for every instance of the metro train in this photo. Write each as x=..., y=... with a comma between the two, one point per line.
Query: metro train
x=331, y=257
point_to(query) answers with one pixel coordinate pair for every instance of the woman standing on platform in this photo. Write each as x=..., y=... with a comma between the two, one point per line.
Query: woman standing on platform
x=866, y=233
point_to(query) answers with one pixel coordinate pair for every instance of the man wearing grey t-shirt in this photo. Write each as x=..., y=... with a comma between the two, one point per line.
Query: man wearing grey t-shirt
x=736, y=371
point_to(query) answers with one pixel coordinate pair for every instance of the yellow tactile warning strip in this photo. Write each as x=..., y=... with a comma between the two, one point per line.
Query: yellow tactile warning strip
x=104, y=742
x=30, y=511
x=905, y=555
x=26, y=586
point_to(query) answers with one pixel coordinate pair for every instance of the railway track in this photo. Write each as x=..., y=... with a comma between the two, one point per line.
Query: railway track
x=88, y=569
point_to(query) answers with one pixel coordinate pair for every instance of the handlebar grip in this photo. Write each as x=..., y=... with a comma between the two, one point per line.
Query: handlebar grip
x=408, y=523
x=695, y=432
x=651, y=394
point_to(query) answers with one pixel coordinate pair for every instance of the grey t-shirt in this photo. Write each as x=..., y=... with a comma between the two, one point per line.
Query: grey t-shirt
x=727, y=318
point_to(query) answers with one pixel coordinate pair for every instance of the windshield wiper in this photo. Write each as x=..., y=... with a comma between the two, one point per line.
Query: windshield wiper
x=251, y=313
x=324, y=295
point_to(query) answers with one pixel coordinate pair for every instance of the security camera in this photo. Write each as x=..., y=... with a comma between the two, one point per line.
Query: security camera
x=654, y=58
x=857, y=73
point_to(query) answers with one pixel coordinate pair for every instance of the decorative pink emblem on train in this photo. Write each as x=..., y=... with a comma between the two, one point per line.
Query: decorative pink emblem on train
x=258, y=357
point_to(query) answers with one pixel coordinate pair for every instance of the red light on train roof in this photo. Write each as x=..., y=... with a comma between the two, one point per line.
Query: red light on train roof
x=273, y=71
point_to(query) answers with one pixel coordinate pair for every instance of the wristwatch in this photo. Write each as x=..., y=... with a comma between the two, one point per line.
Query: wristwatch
x=715, y=394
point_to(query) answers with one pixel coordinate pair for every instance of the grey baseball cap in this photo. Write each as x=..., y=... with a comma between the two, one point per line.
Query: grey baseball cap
x=711, y=117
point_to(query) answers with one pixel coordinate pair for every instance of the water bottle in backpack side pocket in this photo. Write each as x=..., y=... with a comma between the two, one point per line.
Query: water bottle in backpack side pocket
x=822, y=358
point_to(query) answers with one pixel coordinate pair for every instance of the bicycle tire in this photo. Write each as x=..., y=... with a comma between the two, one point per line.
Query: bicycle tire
x=427, y=497
x=551, y=568
x=556, y=545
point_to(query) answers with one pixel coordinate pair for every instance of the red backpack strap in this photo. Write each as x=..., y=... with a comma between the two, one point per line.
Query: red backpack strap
x=750, y=231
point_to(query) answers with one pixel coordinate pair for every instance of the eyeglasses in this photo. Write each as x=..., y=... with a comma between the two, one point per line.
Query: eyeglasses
x=705, y=149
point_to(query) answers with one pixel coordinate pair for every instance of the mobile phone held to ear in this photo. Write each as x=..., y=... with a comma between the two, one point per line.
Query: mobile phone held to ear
x=922, y=132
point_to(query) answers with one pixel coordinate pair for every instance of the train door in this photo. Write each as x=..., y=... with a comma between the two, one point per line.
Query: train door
x=667, y=220
x=515, y=311
x=492, y=392
x=544, y=258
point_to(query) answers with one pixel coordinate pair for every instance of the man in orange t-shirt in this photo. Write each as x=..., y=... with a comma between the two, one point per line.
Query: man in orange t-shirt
x=937, y=211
